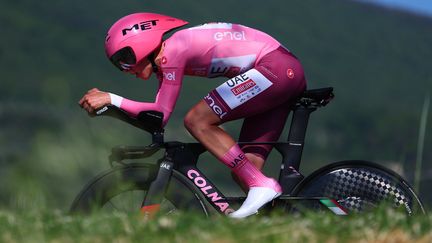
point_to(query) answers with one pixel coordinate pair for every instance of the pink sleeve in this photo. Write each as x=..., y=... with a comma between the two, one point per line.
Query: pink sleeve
x=166, y=97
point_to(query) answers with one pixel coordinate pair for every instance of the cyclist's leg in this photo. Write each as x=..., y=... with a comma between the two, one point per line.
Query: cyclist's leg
x=264, y=127
x=254, y=92
x=203, y=119
x=266, y=114
x=202, y=123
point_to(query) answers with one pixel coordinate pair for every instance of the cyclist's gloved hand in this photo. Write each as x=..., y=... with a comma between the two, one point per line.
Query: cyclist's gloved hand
x=93, y=100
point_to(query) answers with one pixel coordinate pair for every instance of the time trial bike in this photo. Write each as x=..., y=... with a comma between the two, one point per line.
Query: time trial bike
x=174, y=182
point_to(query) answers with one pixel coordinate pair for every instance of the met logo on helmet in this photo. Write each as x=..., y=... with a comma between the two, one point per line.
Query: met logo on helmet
x=146, y=25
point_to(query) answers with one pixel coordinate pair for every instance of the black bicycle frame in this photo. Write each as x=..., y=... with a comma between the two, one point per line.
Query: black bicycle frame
x=183, y=157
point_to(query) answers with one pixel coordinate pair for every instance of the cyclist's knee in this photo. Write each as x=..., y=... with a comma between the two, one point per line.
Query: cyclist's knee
x=190, y=121
x=200, y=117
x=194, y=122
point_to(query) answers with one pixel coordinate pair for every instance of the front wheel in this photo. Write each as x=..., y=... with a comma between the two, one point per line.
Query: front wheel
x=359, y=186
x=123, y=189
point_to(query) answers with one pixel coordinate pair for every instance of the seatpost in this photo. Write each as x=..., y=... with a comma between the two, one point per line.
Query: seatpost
x=297, y=134
x=289, y=175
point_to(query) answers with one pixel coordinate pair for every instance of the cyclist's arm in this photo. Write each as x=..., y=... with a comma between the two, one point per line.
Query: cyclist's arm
x=165, y=101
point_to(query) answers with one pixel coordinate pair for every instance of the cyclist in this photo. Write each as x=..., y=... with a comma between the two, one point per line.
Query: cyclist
x=264, y=78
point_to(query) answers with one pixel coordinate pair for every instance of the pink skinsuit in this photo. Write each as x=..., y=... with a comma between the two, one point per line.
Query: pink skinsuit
x=265, y=78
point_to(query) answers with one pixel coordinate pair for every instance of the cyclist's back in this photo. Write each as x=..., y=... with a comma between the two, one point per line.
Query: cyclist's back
x=217, y=49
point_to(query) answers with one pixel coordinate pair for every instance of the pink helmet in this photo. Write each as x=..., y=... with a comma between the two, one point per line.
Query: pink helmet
x=136, y=36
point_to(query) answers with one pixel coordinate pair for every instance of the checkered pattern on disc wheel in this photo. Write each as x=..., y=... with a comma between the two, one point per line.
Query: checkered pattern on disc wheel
x=358, y=188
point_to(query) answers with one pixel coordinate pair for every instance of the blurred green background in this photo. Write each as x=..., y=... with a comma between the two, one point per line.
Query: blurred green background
x=51, y=53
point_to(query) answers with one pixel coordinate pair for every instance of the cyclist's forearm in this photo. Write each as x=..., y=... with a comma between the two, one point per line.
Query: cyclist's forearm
x=135, y=107
x=165, y=101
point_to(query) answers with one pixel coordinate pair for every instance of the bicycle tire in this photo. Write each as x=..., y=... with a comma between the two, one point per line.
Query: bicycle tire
x=359, y=186
x=133, y=178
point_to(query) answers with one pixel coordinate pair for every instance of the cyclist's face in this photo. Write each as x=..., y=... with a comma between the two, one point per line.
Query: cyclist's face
x=142, y=70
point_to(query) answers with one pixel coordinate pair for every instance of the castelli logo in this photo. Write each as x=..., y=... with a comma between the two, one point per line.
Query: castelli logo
x=164, y=60
x=290, y=73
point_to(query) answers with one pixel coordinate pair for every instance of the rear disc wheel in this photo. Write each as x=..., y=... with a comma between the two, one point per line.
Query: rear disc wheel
x=360, y=186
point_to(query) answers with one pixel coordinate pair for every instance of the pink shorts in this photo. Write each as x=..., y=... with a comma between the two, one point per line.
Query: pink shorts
x=263, y=96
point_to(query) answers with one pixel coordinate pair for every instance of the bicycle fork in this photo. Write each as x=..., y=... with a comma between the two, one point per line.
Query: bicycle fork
x=157, y=189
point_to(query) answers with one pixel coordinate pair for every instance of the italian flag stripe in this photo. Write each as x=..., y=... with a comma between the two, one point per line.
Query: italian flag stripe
x=333, y=206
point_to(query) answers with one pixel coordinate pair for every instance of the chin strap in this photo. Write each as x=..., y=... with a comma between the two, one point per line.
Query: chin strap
x=151, y=60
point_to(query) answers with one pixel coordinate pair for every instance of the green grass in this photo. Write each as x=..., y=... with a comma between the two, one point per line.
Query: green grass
x=380, y=226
